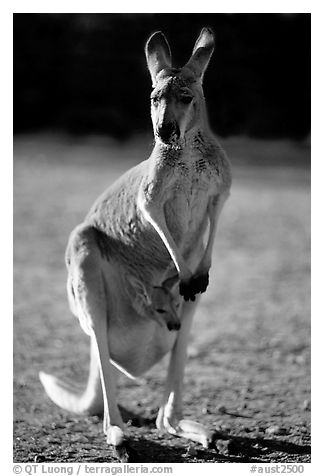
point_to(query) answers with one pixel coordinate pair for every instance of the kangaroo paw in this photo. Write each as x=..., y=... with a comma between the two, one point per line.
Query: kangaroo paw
x=196, y=284
x=186, y=290
x=200, y=282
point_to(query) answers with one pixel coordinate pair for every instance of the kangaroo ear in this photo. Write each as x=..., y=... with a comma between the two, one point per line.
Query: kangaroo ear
x=141, y=297
x=169, y=283
x=201, y=53
x=158, y=54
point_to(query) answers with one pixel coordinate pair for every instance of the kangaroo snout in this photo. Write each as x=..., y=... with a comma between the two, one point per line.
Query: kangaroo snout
x=167, y=130
x=173, y=326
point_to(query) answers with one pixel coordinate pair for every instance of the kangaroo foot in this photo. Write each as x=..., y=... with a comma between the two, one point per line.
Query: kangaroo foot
x=184, y=428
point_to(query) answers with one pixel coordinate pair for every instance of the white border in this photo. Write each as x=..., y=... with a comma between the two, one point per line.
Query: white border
x=167, y=6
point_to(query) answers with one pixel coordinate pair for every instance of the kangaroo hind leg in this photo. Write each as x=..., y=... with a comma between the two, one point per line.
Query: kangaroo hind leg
x=169, y=417
x=91, y=291
x=65, y=394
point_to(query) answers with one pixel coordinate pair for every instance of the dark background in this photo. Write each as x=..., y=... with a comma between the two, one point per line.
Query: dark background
x=86, y=73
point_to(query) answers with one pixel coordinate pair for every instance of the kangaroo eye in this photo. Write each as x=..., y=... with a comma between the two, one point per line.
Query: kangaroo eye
x=186, y=99
x=155, y=100
x=160, y=311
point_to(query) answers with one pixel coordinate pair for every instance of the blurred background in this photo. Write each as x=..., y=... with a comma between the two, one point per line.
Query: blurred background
x=81, y=118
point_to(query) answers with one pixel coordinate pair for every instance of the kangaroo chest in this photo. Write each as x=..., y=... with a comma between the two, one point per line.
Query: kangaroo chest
x=195, y=181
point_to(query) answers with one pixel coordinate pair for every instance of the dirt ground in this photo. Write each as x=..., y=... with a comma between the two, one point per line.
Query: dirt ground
x=248, y=372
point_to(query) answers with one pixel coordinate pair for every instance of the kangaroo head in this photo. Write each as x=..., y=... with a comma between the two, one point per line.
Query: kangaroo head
x=161, y=303
x=165, y=305
x=177, y=100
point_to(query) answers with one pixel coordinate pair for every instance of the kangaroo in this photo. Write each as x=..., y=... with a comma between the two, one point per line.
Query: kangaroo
x=139, y=262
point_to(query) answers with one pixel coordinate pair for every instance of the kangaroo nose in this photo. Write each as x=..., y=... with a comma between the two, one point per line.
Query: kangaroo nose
x=167, y=129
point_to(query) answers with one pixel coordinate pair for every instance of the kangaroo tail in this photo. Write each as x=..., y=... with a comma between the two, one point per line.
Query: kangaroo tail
x=66, y=395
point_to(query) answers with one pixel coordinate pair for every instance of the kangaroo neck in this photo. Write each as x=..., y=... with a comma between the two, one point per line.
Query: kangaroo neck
x=196, y=139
